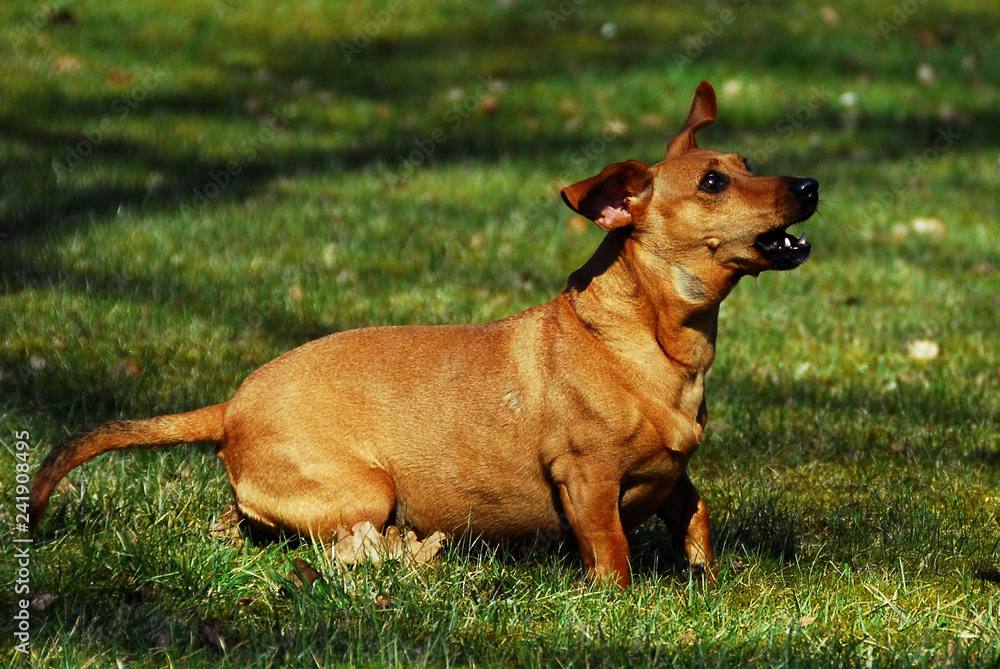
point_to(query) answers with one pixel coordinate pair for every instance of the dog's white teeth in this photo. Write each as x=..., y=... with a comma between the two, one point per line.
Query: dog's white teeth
x=802, y=240
x=788, y=242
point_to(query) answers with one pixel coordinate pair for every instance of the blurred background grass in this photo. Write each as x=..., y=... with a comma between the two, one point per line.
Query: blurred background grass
x=192, y=188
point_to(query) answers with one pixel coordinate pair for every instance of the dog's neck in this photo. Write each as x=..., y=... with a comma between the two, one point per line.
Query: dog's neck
x=622, y=288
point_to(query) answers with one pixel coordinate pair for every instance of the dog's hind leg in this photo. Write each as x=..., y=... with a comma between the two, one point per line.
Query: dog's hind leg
x=276, y=495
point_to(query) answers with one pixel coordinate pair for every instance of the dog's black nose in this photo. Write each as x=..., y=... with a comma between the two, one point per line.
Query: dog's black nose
x=806, y=189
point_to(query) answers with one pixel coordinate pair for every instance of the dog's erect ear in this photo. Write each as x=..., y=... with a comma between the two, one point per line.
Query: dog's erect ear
x=614, y=198
x=703, y=112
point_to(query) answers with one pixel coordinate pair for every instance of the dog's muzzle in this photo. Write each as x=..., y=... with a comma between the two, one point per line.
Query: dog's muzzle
x=781, y=249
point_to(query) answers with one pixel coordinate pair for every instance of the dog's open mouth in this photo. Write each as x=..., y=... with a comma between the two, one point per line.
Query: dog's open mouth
x=783, y=249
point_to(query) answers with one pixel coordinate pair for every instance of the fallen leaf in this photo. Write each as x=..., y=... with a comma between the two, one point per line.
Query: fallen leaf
x=42, y=600
x=360, y=545
x=688, y=637
x=806, y=621
x=227, y=528
x=363, y=543
x=163, y=638
x=117, y=78
x=382, y=601
x=489, y=105
x=65, y=486
x=393, y=542
x=211, y=634
x=927, y=39
x=304, y=574
x=123, y=368
x=922, y=349
x=426, y=551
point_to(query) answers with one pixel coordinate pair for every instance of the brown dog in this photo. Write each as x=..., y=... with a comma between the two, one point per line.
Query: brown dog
x=583, y=411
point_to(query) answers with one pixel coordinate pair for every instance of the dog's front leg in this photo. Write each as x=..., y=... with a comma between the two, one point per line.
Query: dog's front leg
x=686, y=516
x=591, y=506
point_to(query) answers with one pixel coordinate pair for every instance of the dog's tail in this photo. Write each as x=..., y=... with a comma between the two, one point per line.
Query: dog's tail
x=201, y=425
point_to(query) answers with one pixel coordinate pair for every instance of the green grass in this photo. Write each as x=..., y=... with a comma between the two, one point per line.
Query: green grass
x=855, y=491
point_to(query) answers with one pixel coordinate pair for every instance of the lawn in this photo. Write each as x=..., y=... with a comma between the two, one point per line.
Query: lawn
x=192, y=188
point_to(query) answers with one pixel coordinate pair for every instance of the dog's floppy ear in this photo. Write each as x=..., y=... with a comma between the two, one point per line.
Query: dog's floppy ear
x=703, y=112
x=614, y=198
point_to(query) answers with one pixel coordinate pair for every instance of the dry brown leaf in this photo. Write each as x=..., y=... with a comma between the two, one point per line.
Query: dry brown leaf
x=304, y=574
x=211, y=634
x=806, y=621
x=163, y=638
x=430, y=547
x=117, y=78
x=42, y=600
x=227, y=529
x=382, y=601
x=123, y=368
x=363, y=543
x=489, y=105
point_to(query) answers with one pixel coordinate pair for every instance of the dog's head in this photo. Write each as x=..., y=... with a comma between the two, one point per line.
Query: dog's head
x=700, y=211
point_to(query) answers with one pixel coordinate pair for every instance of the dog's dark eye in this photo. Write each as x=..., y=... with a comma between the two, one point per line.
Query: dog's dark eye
x=713, y=182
